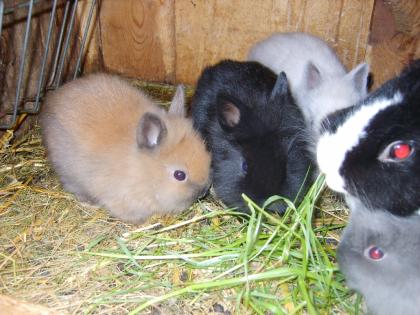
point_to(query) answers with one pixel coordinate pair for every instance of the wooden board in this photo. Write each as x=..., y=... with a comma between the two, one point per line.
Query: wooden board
x=137, y=38
x=174, y=40
x=207, y=31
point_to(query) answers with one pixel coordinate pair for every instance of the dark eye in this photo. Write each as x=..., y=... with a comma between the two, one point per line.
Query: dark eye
x=375, y=253
x=245, y=166
x=180, y=175
x=397, y=151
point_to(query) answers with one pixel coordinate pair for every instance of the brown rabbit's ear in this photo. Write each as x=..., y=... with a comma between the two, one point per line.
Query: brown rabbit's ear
x=151, y=130
x=177, y=107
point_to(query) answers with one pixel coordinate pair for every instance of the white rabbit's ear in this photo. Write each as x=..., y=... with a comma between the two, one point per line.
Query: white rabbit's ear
x=359, y=77
x=312, y=76
x=151, y=130
x=177, y=107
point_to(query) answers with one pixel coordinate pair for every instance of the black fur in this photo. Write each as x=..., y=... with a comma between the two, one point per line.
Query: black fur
x=390, y=285
x=386, y=185
x=269, y=136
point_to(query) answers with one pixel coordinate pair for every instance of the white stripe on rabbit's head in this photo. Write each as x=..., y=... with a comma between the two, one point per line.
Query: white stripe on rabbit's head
x=333, y=147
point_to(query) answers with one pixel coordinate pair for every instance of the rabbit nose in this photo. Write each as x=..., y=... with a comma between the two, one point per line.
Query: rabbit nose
x=278, y=207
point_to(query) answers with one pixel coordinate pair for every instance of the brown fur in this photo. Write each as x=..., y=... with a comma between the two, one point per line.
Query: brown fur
x=10, y=306
x=89, y=128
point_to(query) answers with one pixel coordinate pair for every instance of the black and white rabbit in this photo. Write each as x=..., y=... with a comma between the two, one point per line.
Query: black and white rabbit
x=371, y=150
x=318, y=80
x=379, y=255
x=254, y=130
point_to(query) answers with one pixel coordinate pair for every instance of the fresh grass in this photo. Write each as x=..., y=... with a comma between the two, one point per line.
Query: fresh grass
x=207, y=260
x=278, y=265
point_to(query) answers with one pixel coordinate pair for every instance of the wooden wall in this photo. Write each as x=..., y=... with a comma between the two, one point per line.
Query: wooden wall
x=394, y=39
x=173, y=40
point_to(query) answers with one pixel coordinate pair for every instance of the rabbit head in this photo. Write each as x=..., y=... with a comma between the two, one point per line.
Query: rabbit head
x=379, y=255
x=254, y=130
x=371, y=150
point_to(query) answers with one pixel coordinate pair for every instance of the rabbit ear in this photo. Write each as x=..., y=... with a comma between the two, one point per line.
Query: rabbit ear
x=312, y=76
x=359, y=77
x=177, y=107
x=281, y=86
x=228, y=113
x=151, y=130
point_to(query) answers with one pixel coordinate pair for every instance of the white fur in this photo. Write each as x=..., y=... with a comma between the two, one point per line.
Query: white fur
x=333, y=90
x=332, y=148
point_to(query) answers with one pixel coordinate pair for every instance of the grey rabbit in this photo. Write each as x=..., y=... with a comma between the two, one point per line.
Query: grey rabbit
x=379, y=254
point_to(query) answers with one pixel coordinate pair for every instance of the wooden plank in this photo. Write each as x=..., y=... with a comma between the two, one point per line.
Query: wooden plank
x=394, y=38
x=207, y=31
x=138, y=38
x=353, y=32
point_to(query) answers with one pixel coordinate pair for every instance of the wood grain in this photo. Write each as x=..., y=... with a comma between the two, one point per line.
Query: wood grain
x=138, y=38
x=207, y=31
x=174, y=40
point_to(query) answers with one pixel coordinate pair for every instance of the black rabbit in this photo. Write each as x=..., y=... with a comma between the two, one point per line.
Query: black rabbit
x=255, y=132
x=371, y=151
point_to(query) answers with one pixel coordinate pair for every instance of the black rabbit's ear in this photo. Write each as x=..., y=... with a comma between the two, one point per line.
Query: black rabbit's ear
x=281, y=86
x=151, y=130
x=312, y=76
x=228, y=113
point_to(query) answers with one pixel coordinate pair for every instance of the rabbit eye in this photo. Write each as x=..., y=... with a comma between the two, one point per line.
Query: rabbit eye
x=245, y=166
x=375, y=253
x=397, y=151
x=180, y=175
x=400, y=151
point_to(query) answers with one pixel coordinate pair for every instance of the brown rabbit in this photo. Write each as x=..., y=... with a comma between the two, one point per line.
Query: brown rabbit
x=11, y=306
x=113, y=147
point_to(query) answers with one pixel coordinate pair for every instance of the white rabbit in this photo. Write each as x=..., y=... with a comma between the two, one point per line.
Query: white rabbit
x=318, y=80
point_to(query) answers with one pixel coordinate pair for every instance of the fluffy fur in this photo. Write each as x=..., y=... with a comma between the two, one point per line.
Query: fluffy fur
x=112, y=146
x=390, y=285
x=254, y=130
x=357, y=166
x=318, y=80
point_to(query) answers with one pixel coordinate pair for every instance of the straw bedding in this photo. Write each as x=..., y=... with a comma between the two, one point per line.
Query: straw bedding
x=74, y=258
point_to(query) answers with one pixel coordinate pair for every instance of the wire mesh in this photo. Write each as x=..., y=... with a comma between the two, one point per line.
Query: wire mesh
x=54, y=67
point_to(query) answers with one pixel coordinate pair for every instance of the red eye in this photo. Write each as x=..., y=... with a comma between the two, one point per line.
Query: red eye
x=401, y=151
x=375, y=253
x=397, y=151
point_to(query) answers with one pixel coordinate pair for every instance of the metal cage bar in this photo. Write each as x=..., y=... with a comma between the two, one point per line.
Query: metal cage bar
x=59, y=43
x=84, y=39
x=1, y=13
x=66, y=45
x=59, y=56
x=44, y=60
x=21, y=67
